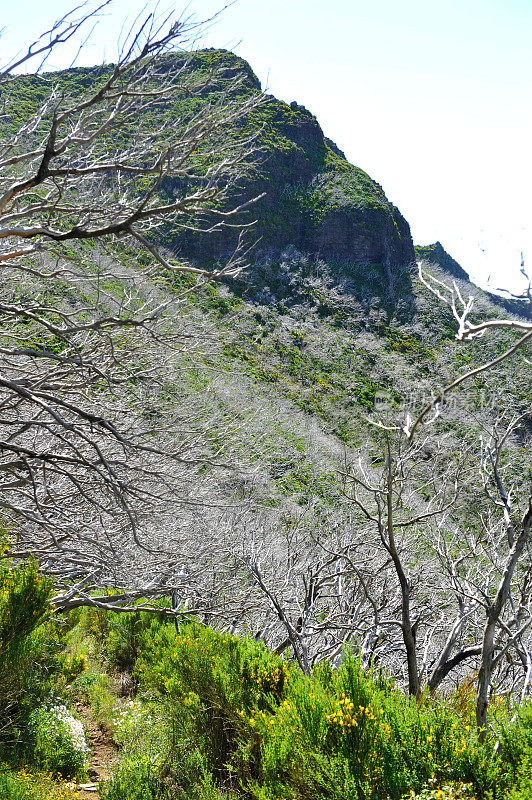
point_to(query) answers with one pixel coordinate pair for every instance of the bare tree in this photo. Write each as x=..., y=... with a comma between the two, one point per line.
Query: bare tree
x=506, y=606
x=146, y=148
x=403, y=525
x=489, y=571
x=313, y=584
x=486, y=561
x=461, y=309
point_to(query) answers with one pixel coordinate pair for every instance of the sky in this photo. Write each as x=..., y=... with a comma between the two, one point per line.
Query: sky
x=431, y=97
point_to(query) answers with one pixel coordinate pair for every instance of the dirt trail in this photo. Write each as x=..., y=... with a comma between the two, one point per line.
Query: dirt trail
x=104, y=755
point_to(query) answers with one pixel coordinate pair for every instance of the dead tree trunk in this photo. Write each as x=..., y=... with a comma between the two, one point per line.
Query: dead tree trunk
x=493, y=614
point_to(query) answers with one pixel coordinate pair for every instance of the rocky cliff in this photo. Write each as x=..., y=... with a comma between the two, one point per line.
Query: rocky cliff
x=314, y=199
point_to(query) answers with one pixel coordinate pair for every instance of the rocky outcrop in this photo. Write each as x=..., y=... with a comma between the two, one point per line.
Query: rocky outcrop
x=436, y=254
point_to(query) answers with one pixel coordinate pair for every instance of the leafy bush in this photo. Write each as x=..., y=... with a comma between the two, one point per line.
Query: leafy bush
x=140, y=730
x=26, y=647
x=136, y=779
x=96, y=690
x=275, y=733
x=142, y=778
x=121, y=640
x=118, y=635
x=457, y=791
x=160, y=759
x=56, y=741
x=217, y=714
x=516, y=750
x=523, y=789
x=216, y=681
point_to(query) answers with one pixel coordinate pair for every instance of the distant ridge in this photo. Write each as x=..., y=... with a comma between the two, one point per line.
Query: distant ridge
x=436, y=254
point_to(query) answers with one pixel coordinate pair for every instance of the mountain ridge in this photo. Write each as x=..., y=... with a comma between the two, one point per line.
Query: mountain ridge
x=314, y=199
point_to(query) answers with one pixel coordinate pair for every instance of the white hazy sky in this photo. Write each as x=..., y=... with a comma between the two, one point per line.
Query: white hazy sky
x=431, y=97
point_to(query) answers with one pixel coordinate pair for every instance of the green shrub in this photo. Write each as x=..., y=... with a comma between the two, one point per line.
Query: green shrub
x=56, y=741
x=456, y=791
x=216, y=713
x=523, y=789
x=277, y=733
x=96, y=690
x=141, y=729
x=120, y=639
x=516, y=750
x=26, y=645
x=182, y=774
x=353, y=734
x=516, y=736
x=218, y=682
x=160, y=758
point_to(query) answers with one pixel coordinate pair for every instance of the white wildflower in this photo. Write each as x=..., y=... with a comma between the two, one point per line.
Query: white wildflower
x=73, y=725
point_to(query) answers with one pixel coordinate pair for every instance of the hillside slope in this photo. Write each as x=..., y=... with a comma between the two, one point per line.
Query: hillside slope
x=328, y=313
x=267, y=388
